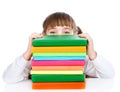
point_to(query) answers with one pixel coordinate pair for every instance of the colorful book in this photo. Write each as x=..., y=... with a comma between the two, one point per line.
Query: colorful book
x=56, y=72
x=60, y=40
x=60, y=54
x=58, y=78
x=58, y=63
x=57, y=68
x=59, y=58
x=59, y=49
x=59, y=85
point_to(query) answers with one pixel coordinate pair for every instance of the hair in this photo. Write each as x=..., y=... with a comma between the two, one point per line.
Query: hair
x=60, y=19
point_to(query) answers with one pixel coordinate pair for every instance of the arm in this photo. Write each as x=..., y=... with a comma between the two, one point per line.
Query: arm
x=96, y=65
x=99, y=67
x=19, y=70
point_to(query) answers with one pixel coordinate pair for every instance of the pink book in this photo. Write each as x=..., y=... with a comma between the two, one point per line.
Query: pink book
x=58, y=63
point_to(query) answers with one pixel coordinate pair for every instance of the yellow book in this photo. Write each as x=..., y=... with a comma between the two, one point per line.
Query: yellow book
x=56, y=72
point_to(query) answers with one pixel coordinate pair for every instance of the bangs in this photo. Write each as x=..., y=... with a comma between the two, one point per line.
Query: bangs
x=60, y=22
x=58, y=19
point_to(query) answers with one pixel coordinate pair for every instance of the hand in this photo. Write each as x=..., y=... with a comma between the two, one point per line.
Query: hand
x=90, y=48
x=28, y=53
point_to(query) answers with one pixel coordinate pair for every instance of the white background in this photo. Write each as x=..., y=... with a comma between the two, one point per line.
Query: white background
x=20, y=18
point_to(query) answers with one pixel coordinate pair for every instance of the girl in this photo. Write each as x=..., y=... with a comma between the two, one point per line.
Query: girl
x=59, y=23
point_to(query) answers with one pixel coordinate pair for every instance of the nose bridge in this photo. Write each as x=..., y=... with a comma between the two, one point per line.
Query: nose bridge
x=60, y=29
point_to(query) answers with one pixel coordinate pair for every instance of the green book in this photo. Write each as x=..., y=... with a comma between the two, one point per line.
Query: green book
x=60, y=54
x=59, y=40
x=58, y=78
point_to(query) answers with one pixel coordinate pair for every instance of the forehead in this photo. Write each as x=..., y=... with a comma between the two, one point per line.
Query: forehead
x=58, y=27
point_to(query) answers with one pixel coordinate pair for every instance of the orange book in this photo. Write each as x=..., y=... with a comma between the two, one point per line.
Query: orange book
x=59, y=85
x=57, y=68
x=59, y=49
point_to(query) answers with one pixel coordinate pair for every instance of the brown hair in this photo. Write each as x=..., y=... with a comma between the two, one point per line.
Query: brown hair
x=60, y=19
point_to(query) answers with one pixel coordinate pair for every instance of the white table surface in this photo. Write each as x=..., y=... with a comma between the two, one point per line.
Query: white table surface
x=92, y=85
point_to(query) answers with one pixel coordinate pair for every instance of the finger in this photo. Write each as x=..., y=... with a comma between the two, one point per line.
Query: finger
x=41, y=35
x=36, y=35
x=82, y=35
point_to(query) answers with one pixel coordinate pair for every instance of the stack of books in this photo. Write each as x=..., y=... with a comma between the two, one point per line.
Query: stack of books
x=58, y=62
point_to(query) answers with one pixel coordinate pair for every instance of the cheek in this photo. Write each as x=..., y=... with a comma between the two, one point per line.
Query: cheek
x=47, y=32
x=71, y=32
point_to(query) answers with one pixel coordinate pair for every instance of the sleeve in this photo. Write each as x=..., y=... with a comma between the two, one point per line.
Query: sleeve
x=17, y=71
x=99, y=67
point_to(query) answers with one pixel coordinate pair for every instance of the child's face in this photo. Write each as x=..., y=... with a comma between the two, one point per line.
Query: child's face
x=60, y=30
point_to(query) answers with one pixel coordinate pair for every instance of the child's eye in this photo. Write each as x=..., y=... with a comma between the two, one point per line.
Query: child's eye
x=66, y=32
x=52, y=32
